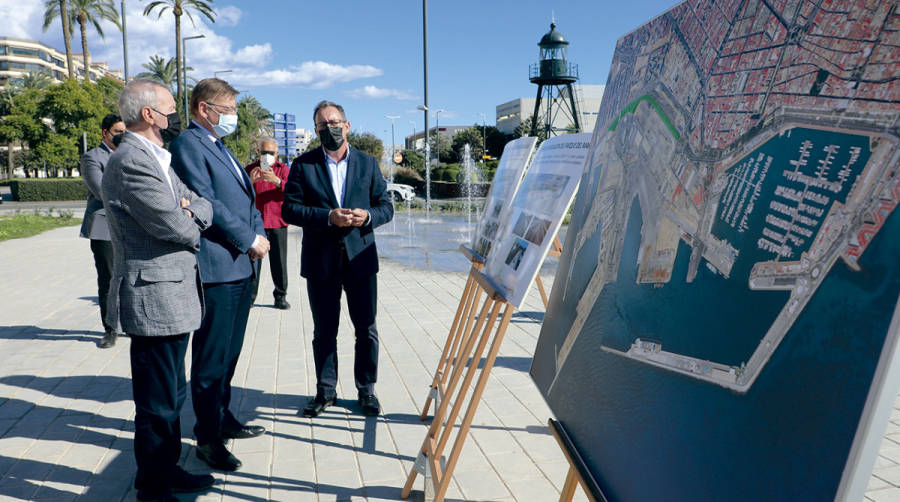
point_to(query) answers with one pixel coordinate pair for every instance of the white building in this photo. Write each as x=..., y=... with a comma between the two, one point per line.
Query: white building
x=588, y=98
x=18, y=57
x=304, y=138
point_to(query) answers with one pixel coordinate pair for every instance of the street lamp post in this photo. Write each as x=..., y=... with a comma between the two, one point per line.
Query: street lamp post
x=216, y=73
x=393, y=144
x=437, y=130
x=424, y=108
x=187, y=115
x=124, y=42
x=483, y=138
x=413, y=123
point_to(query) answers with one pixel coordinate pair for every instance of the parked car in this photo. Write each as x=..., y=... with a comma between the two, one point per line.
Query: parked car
x=400, y=192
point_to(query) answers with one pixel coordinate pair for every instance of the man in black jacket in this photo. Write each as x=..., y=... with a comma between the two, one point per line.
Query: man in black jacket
x=338, y=195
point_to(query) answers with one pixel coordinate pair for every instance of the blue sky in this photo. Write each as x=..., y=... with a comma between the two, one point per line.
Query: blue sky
x=367, y=55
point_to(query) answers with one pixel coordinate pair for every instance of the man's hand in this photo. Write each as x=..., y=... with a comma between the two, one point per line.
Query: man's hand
x=255, y=175
x=260, y=250
x=341, y=217
x=184, y=204
x=271, y=177
x=358, y=217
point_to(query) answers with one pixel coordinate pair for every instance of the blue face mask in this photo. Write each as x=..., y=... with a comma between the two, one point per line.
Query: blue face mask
x=227, y=125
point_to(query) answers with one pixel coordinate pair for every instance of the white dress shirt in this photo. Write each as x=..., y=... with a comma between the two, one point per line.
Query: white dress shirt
x=337, y=171
x=163, y=157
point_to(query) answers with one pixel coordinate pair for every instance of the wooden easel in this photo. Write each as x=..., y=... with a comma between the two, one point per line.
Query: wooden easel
x=463, y=355
x=578, y=473
x=555, y=250
x=465, y=310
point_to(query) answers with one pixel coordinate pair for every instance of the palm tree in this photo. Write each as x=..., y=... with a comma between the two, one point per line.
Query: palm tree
x=179, y=8
x=36, y=80
x=159, y=70
x=259, y=117
x=84, y=12
x=52, y=10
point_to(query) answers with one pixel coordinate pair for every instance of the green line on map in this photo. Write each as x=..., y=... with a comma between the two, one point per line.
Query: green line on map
x=631, y=107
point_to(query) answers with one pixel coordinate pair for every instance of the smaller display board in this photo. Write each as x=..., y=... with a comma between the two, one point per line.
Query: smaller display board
x=537, y=211
x=515, y=158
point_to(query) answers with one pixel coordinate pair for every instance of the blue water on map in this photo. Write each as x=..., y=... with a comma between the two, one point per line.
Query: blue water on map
x=789, y=436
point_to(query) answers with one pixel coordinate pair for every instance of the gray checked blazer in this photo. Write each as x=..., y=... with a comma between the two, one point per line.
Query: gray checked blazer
x=92, y=164
x=155, y=289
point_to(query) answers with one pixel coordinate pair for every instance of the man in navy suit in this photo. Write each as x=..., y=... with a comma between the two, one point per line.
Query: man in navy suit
x=229, y=249
x=338, y=195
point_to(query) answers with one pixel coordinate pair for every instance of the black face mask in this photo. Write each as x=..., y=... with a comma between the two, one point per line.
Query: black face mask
x=117, y=139
x=174, y=129
x=331, y=137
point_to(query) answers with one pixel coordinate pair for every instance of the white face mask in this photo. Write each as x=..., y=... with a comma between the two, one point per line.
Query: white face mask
x=266, y=161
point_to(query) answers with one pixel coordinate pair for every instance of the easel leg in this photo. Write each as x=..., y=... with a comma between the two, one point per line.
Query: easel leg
x=540, y=285
x=568, y=489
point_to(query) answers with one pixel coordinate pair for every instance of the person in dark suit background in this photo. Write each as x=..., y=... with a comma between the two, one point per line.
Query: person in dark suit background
x=338, y=195
x=228, y=256
x=94, y=226
x=155, y=223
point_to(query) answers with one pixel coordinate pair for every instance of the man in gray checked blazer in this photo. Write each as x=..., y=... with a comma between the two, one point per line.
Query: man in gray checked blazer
x=155, y=293
x=94, y=227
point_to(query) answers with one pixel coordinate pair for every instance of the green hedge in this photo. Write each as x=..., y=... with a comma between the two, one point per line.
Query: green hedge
x=31, y=190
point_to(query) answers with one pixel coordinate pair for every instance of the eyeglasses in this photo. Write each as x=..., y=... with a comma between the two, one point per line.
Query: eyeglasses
x=267, y=152
x=330, y=123
x=230, y=110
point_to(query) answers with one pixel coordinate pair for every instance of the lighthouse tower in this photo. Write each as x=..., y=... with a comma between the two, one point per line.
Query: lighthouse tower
x=555, y=77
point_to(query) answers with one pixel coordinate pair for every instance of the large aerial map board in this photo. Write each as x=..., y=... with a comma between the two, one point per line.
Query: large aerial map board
x=537, y=211
x=498, y=203
x=724, y=317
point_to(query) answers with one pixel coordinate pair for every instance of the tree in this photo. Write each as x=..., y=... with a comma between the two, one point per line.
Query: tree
x=110, y=89
x=524, y=129
x=20, y=122
x=74, y=109
x=36, y=80
x=473, y=137
x=366, y=142
x=413, y=159
x=442, y=149
x=160, y=70
x=253, y=121
x=93, y=12
x=179, y=8
x=59, y=8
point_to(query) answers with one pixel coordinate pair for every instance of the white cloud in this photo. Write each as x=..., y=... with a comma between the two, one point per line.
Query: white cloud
x=228, y=15
x=149, y=36
x=311, y=74
x=370, y=91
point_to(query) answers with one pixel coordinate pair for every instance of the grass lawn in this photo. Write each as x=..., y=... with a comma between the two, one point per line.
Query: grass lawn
x=21, y=225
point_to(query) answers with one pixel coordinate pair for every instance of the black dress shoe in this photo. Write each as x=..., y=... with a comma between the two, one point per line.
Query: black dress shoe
x=369, y=405
x=281, y=303
x=218, y=457
x=185, y=482
x=317, y=406
x=108, y=340
x=243, y=431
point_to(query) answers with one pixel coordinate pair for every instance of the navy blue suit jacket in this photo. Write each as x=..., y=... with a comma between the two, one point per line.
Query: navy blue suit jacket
x=309, y=197
x=236, y=222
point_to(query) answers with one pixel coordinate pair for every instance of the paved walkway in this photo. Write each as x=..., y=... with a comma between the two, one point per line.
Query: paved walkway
x=66, y=415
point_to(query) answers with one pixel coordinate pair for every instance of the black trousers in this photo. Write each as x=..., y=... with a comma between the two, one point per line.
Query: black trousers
x=103, y=262
x=159, y=388
x=277, y=263
x=325, y=304
x=215, y=350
